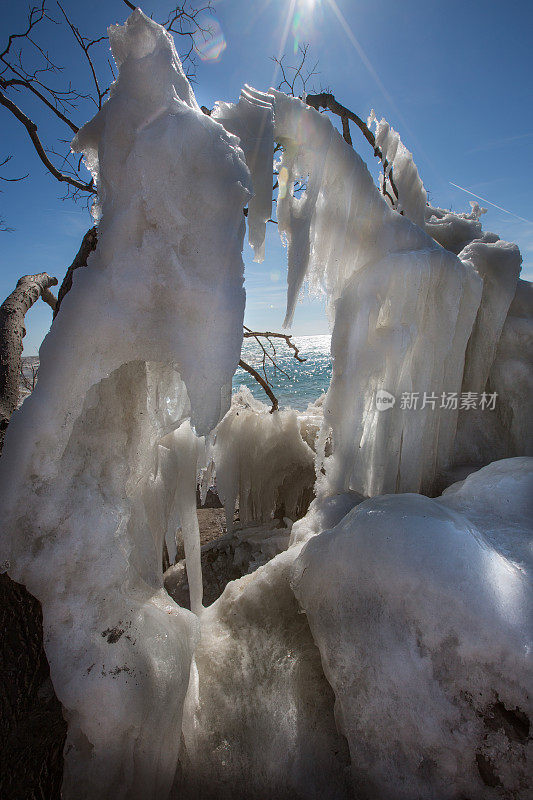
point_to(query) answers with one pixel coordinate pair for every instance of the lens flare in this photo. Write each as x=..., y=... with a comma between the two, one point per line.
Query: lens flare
x=302, y=21
x=209, y=42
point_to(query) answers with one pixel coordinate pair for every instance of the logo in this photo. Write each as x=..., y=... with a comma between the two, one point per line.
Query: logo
x=384, y=400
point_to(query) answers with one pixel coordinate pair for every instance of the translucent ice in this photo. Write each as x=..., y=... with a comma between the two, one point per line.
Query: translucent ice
x=262, y=461
x=403, y=310
x=511, y=375
x=412, y=197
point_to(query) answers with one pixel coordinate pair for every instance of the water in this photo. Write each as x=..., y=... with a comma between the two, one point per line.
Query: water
x=306, y=381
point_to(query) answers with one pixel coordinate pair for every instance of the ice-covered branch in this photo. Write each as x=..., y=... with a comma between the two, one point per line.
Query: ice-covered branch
x=327, y=100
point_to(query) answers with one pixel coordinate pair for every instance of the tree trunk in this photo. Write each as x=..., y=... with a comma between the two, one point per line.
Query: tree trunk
x=12, y=312
x=88, y=244
x=32, y=728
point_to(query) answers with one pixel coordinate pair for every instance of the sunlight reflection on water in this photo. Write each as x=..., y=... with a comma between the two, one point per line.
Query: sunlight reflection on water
x=306, y=381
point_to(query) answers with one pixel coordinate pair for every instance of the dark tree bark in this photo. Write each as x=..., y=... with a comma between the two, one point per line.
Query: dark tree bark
x=32, y=728
x=88, y=244
x=12, y=331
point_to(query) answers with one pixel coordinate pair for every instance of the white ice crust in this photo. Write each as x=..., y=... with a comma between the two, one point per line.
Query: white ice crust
x=422, y=612
x=149, y=335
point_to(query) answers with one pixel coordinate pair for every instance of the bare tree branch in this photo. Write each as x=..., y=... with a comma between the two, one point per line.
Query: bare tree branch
x=327, y=100
x=262, y=382
x=291, y=83
x=12, y=312
x=88, y=244
x=31, y=128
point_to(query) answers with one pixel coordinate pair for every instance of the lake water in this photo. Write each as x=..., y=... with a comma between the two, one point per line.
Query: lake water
x=305, y=382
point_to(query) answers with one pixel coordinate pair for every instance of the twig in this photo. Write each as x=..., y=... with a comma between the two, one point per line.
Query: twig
x=262, y=383
x=31, y=128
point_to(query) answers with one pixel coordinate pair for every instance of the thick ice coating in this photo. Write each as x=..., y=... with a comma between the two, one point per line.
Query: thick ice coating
x=422, y=611
x=412, y=197
x=87, y=492
x=511, y=375
x=164, y=167
x=251, y=119
x=403, y=311
x=259, y=720
x=498, y=264
x=262, y=462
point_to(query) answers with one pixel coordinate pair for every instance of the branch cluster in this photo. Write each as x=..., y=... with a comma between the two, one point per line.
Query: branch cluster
x=29, y=72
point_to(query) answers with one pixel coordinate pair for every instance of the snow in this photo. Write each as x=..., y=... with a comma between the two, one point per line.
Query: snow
x=421, y=610
x=149, y=335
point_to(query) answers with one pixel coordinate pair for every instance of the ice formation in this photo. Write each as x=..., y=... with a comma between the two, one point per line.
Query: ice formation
x=511, y=375
x=149, y=335
x=403, y=310
x=412, y=197
x=183, y=452
x=230, y=556
x=407, y=674
x=498, y=265
x=251, y=119
x=262, y=462
x=422, y=611
x=454, y=231
x=258, y=720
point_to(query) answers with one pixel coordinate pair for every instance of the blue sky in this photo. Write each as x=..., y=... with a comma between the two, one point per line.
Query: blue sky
x=454, y=78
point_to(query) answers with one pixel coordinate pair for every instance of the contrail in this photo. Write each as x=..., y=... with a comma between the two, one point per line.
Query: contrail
x=484, y=200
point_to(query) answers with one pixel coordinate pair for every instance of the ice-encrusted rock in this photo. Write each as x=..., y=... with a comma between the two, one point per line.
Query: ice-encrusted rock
x=258, y=720
x=422, y=611
x=227, y=558
x=148, y=336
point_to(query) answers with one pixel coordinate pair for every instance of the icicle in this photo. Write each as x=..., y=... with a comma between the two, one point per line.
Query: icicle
x=187, y=449
x=251, y=119
x=403, y=309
